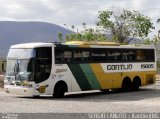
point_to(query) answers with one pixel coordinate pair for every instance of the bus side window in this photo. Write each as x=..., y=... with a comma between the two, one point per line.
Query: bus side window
x=86, y=56
x=140, y=55
x=110, y=55
x=128, y=55
x=67, y=56
x=43, y=64
x=117, y=55
x=99, y=56
x=81, y=56
x=78, y=56
x=59, y=56
x=151, y=55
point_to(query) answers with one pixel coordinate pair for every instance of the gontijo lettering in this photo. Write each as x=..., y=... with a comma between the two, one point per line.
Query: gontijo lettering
x=119, y=67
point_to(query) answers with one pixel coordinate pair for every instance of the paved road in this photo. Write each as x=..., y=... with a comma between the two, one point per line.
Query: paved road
x=147, y=99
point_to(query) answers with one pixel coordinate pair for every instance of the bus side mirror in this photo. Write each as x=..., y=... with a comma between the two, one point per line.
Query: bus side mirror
x=4, y=66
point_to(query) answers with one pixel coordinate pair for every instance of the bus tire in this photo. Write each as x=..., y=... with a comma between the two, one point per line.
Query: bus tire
x=136, y=83
x=60, y=89
x=126, y=84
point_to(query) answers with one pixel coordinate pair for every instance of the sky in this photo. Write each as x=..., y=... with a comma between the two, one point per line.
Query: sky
x=74, y=12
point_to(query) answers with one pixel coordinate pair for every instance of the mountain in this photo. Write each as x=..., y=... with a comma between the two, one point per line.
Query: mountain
x=12, y=32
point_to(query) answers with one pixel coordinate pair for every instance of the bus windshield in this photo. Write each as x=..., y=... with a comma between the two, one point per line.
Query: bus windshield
x=21, y=53
x=19, y=64
x=19, y=68
x=29, y=64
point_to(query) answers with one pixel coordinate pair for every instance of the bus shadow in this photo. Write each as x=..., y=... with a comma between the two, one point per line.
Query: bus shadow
x=111, y=96
x=114, y=96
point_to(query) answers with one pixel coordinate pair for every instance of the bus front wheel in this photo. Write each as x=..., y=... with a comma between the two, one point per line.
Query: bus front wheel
x=59, y=90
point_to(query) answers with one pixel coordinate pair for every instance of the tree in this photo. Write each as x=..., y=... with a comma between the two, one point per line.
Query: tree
x=128, y=24
x=88, y=34
x=158, y=21
x=155, y=40
x=73, y=27
x=147, y=41
x=60, y=37
x=84, y=25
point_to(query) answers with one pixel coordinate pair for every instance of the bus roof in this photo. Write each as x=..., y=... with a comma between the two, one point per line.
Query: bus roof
x=32, y=45
x=82, y=45
x=107, y=45
x=92, y=43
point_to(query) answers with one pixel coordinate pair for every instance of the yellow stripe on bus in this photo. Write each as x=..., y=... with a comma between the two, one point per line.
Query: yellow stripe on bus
x=102, y=77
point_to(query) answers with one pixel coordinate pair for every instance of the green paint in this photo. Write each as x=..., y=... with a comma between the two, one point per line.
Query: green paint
x=80, y=77
x=90, y=76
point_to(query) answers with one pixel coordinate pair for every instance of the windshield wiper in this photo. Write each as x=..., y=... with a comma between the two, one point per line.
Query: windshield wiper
x=16, y=69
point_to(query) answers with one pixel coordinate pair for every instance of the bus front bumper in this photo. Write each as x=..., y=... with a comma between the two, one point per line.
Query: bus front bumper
x=19, y=90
